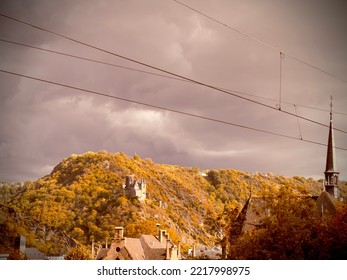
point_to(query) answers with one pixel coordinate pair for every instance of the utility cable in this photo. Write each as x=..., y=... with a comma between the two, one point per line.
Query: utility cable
x=159, y=75
x=280, y=91
x=296, y=112
x=90, y=60
x=163, y=108
x=288, y=103
x=261, y=41
x=166, y=71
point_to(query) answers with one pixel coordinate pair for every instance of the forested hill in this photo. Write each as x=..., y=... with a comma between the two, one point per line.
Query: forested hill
x=83, y=200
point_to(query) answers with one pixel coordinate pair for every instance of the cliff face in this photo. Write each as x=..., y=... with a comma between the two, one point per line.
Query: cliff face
x=83, y=200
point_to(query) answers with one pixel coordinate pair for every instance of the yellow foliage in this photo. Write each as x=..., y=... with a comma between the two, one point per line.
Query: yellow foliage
x=83, y=197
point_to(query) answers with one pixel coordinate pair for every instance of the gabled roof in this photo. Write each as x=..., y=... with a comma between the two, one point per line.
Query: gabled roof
x=249, y=217
x=134, y=248
x=153, y=248
x=326, y=204
x=34, y=254
x=254, y=211
x=102, y=252
x=152, y=242
x=147, y=247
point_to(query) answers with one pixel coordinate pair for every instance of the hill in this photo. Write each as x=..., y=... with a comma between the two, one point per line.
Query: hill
x=83, y=200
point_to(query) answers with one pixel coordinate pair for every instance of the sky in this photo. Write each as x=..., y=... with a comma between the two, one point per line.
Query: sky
x=228, y=44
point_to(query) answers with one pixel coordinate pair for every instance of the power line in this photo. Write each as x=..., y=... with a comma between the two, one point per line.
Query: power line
x=290, y=103
x=296, y=112
x=280, y=89
x=91, y=60
x=229, y=92
x=157, y=74
x=163, y=108
x=260, y=41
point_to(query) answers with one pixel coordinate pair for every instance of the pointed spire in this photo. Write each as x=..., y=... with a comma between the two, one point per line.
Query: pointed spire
x=331, y=165
x=331, y=173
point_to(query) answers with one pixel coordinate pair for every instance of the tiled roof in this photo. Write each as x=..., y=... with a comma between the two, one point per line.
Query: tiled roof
x=147, y=247
x=134, y=248
x=249, y=217
x=34, y=254
x=153, y=248
x=326, y=204
x=255, y=212
x=153, y=242
x=102, y=252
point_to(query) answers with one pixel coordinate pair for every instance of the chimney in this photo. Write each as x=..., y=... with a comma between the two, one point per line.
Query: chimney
x=179, y=250
x=194, y=250
x=162, y=233
x=158, y=230
x=168, y=249
x=118, y=235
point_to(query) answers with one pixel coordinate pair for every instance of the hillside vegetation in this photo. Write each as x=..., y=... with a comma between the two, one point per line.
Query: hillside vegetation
x=83, y=200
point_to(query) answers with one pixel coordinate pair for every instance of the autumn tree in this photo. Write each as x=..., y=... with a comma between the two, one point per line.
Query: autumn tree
x=287, y=226
x=79, y=252
x=330, y=237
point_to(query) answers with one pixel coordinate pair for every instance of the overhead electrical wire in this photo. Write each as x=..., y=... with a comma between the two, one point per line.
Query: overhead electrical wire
x=90, y=59
x=280, y=89
x=160, y=75
x=229, y=92
x=296, y=112
x=163, y=108
x=288, y=103
x=157, y=74
x=260, y=41
x=166, y=71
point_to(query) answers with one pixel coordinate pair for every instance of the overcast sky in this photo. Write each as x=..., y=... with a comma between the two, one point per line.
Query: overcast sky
x=41, y=123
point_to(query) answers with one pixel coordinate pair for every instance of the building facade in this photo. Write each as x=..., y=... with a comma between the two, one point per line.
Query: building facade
x=147, y=247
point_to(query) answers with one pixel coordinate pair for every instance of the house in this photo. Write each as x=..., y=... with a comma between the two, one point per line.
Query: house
x=32, y=253
x=147, y=247
x=4, y=257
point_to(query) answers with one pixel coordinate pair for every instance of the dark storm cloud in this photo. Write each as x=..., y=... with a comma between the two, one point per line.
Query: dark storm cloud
x=43, y=123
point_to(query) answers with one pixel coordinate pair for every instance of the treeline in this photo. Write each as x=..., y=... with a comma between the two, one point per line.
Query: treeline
x=83, y=200
x=293, y=230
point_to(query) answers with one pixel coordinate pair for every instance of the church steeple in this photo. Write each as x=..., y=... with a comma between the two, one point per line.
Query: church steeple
x=331, y=173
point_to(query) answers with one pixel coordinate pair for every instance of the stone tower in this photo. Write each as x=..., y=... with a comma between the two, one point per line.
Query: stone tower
x=135, y=188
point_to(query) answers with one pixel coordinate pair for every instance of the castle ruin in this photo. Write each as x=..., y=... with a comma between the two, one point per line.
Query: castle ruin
x=135, y=188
